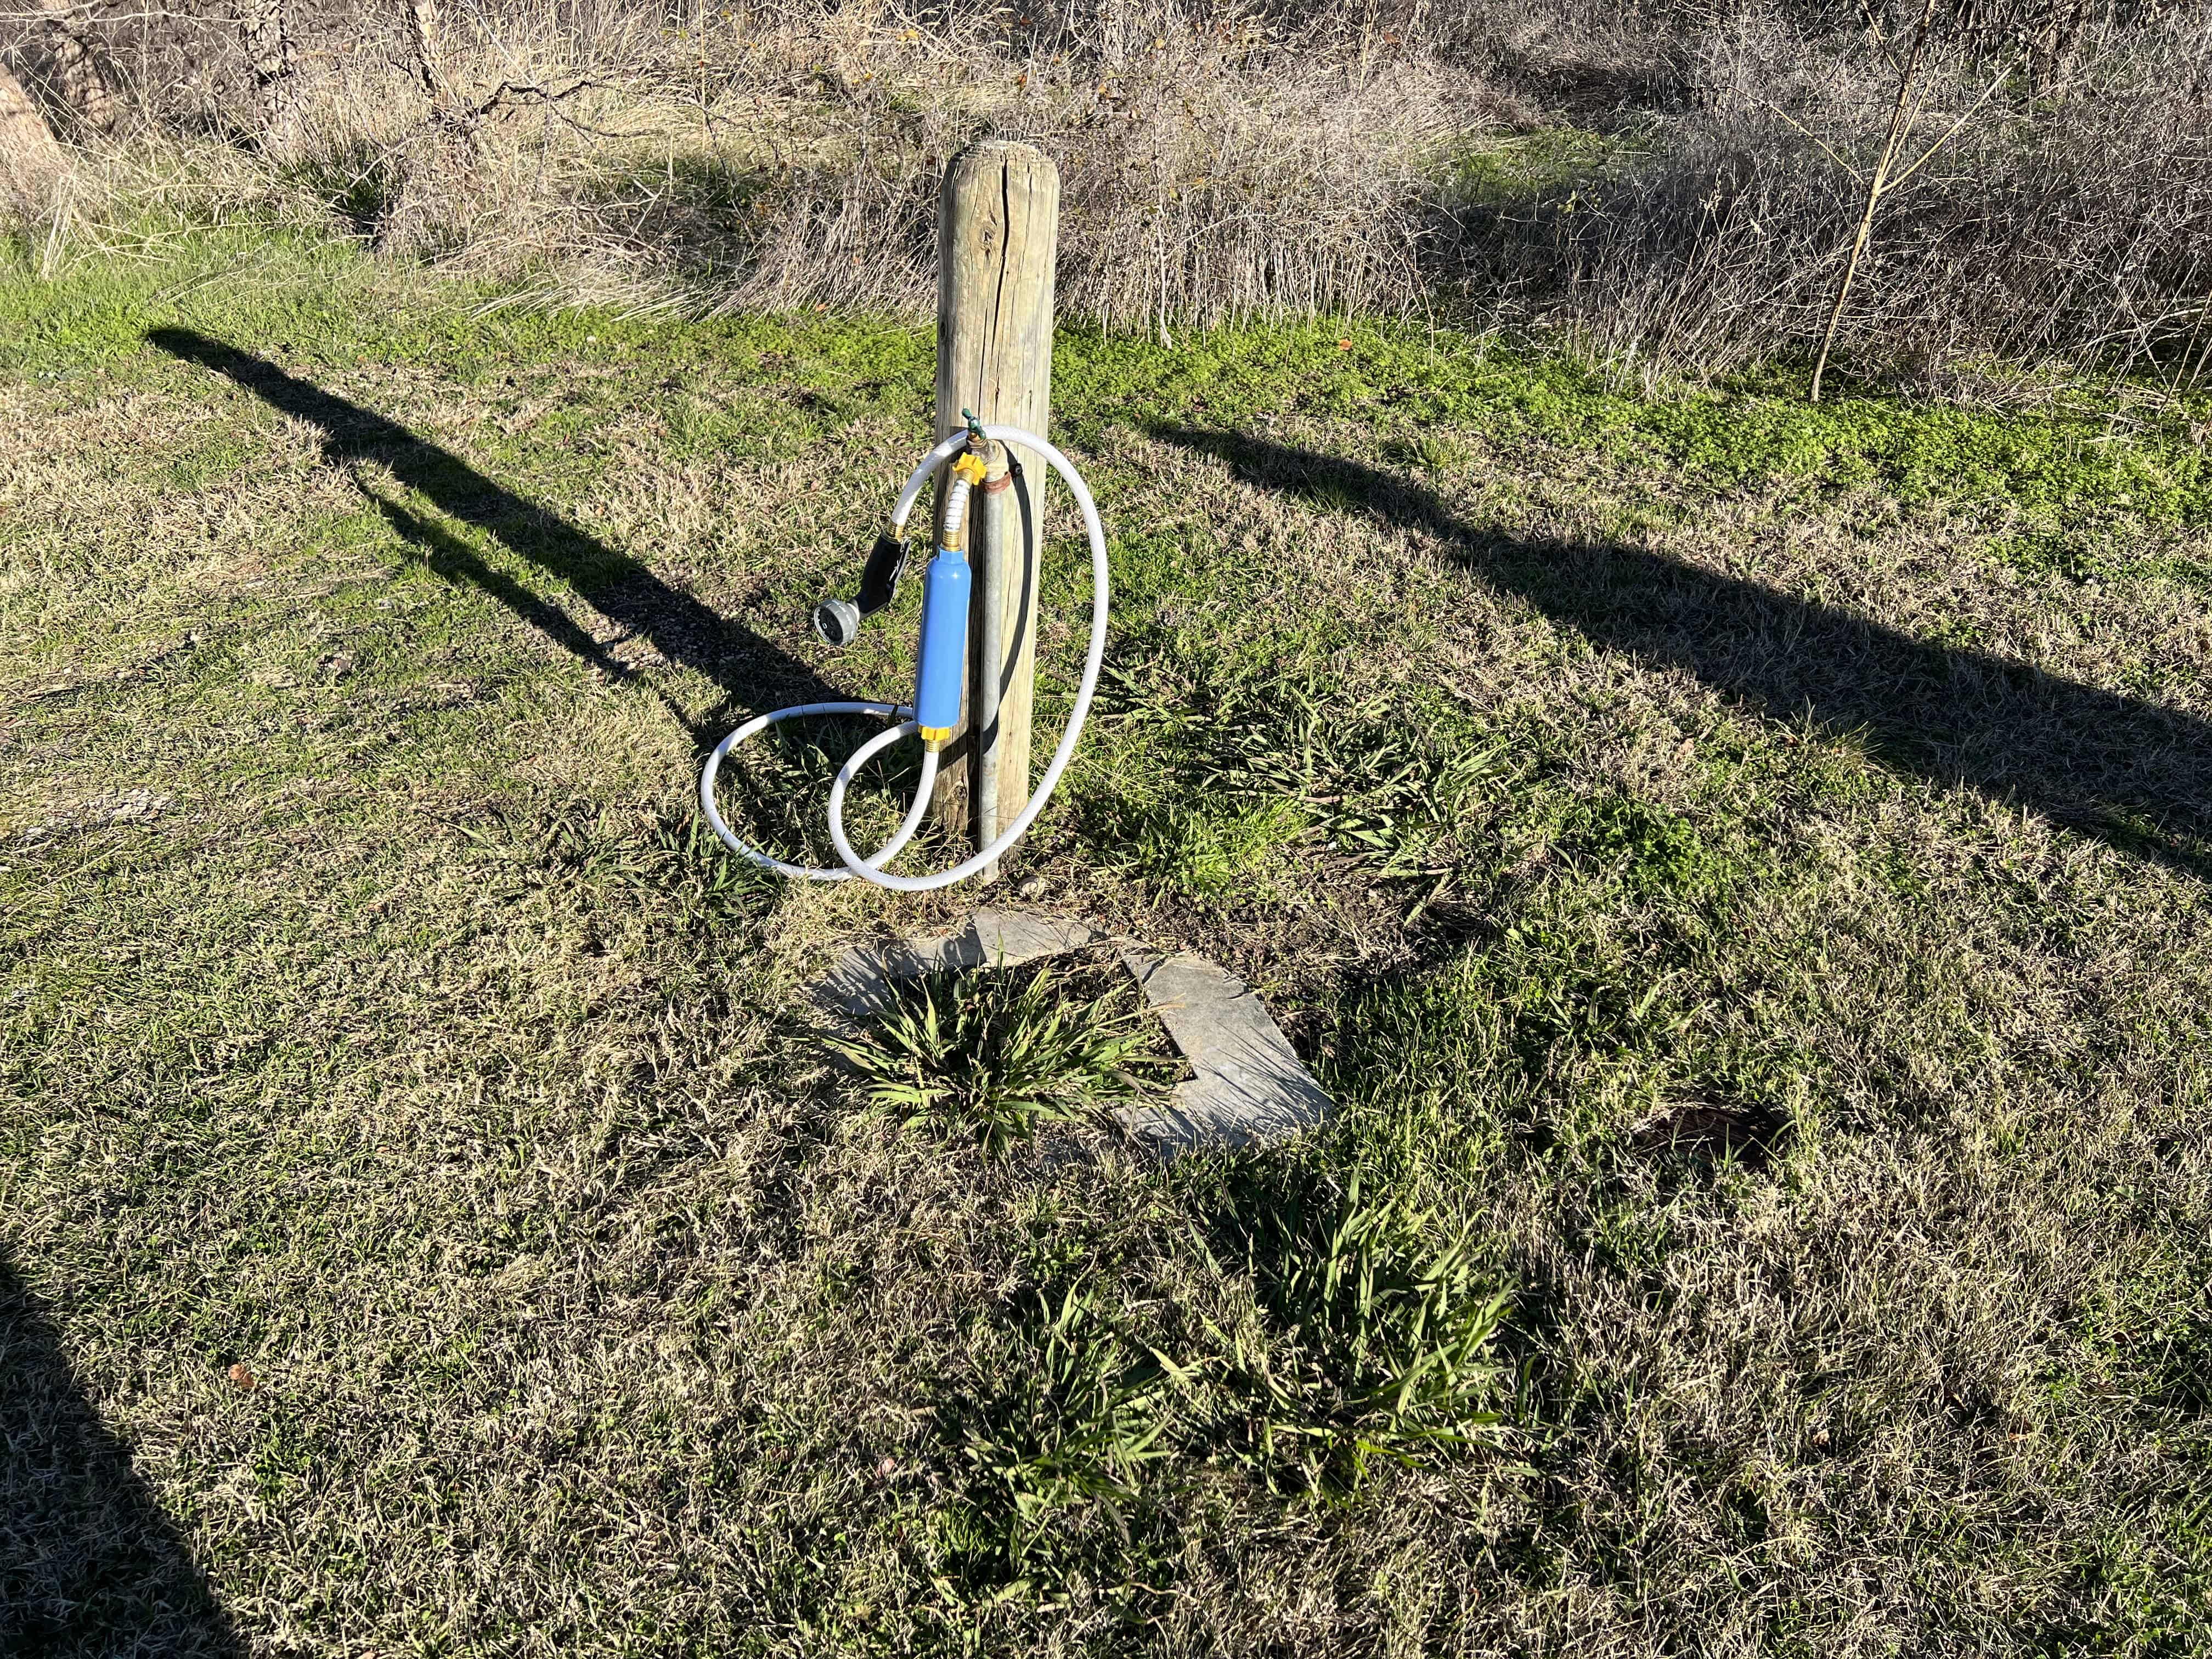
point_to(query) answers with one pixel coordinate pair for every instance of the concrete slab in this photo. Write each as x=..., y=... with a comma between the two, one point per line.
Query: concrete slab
x=860, y=983
x=1248, y=1087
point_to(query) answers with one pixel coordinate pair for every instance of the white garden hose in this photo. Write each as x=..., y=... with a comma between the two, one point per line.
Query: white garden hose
x=871, y=869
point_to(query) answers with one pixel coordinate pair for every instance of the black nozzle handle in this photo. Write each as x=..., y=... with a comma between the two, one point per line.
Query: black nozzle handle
x=879, y=580
x=838, y=621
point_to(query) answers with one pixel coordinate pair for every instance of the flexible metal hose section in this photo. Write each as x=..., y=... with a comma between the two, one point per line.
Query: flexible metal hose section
x=871, y=869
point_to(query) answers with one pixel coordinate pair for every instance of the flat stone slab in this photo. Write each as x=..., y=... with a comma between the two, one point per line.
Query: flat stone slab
x=861, y=984
x=1248, y=1087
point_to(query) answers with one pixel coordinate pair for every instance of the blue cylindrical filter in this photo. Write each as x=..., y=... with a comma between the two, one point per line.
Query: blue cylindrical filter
x=945, y=586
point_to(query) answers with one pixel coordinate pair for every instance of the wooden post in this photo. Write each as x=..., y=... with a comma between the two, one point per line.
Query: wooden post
x=998, y=228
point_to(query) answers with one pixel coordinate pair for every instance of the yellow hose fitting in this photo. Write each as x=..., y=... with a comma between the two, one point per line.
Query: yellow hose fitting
x=934, y=738
x=970, y=468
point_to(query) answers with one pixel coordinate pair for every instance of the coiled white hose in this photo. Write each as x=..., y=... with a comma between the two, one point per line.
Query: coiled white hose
x=871, y=869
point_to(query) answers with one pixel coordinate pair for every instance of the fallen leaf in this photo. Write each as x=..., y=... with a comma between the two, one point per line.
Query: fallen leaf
x=242, y=1376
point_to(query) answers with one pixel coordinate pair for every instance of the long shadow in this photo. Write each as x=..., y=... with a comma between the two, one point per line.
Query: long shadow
x=2134, y=774
x=752, y=671
x=88, y=1563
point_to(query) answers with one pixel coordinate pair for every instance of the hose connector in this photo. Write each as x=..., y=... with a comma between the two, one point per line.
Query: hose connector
x=968, y=470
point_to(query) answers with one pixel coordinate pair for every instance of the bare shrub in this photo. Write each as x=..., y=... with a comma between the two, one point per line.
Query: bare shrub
x=2070, y=231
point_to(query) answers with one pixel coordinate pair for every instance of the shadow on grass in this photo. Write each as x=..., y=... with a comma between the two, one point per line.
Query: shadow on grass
x=2135, y=775
x=752, y=671
x=88, y=1563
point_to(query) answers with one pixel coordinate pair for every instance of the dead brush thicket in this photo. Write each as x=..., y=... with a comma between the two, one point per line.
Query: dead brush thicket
x=1216, y=166
x=1221, y=161
x=2064, y=219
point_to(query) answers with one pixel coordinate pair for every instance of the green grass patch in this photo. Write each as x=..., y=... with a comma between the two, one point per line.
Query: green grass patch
x=993, y=1055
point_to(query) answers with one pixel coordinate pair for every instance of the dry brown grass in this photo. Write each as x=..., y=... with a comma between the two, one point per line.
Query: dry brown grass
x=1217, y=165
x=1831, y=1110
x=2071, y=229
x=1227, y=161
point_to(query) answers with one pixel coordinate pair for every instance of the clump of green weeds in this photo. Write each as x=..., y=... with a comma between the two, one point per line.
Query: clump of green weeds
x=1380, y=1345
x=993, y=1053
x=1648, y=849
x=1211, y=850
x=1369, y=1345
x=1071, y=1436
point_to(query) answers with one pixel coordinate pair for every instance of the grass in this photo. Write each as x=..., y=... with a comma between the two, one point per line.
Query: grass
x=1750, y=913
x=995, y=1055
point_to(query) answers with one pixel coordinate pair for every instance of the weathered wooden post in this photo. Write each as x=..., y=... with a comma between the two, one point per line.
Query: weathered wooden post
x=998, y=228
